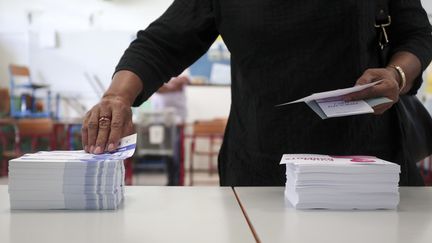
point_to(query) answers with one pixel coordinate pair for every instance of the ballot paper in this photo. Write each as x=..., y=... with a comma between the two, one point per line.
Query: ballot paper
x=332, y=104
x=69, y=179
x=340, y=182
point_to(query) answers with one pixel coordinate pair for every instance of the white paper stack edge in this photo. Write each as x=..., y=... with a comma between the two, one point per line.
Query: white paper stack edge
x=341, y=182
x=69, y=179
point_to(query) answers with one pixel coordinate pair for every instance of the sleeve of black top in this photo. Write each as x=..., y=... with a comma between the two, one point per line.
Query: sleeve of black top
x=411, y=31
x=170, y=44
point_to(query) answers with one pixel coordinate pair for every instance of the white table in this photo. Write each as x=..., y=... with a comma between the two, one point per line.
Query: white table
x=274, y=220
x=149, y=214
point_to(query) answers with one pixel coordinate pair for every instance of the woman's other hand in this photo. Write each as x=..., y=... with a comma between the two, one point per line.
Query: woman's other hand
x=388, y=87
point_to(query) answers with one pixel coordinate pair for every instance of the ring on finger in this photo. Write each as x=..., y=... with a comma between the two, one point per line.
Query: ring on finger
x=104, y=120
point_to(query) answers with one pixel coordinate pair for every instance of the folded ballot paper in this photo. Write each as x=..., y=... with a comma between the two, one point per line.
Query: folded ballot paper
x=69, y=179
x=331, y=103
x=340, y=182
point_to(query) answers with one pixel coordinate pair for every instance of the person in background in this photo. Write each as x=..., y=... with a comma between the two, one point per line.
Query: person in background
x=280, y=51
x=171, y=96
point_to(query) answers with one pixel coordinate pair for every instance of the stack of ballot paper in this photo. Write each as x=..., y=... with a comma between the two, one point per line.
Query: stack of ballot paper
x=340, y=182
x=69, y=179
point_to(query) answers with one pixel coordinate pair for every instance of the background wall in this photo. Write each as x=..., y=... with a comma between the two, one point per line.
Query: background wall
x=63, y=40
x=427, y=4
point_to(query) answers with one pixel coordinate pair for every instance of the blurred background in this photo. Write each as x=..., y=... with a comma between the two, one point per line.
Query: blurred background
x=56, y=60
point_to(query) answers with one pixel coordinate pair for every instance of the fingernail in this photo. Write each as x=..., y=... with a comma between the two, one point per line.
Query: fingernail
x=111, y=147
x=85, y=148
x=91, y=149
x=98, y=150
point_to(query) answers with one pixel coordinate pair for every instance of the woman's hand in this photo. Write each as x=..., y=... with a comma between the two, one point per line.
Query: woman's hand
x=389, y=87
x=105, y=124
x=111, y=119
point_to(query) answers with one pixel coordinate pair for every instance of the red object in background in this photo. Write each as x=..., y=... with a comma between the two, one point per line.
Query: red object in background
x=33, y=129
x=65, y=133
x=212, y=131
x=128, y=171
x=425, y=167
x=181, y=165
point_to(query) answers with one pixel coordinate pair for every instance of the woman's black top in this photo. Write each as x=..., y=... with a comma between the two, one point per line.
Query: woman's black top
x=282, y=50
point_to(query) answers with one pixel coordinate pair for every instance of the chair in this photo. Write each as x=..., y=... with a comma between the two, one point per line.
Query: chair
x=212, y=131
x=23, y=104
x=4, y=102
x=7, y=138
x=32, y=130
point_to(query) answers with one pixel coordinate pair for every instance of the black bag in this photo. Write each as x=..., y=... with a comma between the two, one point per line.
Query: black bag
x=415, y=125
x=415, y=122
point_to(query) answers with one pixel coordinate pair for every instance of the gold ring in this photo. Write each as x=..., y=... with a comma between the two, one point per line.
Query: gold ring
x=104, y=119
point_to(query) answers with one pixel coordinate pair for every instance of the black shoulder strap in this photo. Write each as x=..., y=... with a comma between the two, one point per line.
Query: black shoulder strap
x=382, y=22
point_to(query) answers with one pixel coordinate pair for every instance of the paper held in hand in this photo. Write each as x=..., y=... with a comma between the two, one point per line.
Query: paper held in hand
x=331, y=104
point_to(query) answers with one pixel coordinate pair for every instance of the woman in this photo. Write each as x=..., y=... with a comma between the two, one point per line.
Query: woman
x=281, y=51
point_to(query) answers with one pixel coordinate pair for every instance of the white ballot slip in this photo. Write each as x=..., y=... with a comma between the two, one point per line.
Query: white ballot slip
x=331, y=104
x=69, y=179
x=342, y=108
x=340, y=182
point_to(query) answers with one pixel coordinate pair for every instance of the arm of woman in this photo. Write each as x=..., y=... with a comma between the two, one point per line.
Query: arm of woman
x=411, y=50
x=163, y=50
